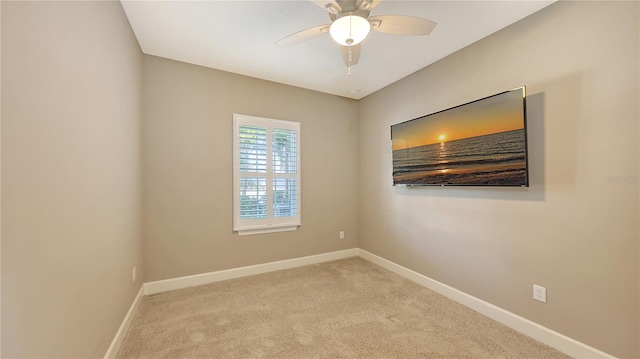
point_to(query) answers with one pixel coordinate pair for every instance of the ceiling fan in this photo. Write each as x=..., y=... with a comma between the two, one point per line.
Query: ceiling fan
x=351, y=23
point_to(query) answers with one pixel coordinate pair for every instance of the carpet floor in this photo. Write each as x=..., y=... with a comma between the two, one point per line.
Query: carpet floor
x=349, y=308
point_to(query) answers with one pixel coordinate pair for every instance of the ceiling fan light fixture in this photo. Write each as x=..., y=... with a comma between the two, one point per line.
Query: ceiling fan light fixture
x=350, y=30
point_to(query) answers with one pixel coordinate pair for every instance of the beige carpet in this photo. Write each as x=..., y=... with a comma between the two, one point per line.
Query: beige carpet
x=349, y=308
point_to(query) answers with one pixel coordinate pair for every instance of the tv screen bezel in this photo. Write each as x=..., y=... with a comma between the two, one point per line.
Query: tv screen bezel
x=526, y=145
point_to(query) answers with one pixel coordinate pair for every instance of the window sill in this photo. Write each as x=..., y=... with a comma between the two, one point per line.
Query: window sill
x=248, y=232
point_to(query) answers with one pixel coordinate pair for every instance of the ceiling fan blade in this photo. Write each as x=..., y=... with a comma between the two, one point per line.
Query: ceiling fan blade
x=303, y=35
x=401, y=25
x=355, y=54
x=330, y=6
x=367, y=5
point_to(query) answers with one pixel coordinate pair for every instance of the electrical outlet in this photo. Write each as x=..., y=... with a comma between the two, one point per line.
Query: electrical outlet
x=341, y=234
x=133, y=274
x=540, y=293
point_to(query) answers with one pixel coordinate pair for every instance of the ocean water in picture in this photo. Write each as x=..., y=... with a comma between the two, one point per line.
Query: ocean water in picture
x=494, y=159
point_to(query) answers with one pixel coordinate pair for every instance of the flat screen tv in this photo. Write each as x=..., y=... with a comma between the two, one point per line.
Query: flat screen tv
x=480, y=143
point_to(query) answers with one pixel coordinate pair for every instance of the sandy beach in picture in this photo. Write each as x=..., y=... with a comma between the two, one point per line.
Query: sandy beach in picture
x=509, y=174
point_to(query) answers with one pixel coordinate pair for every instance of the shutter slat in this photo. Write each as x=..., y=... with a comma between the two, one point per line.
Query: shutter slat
x=253, y=149
x=253, y=198
x=285, y=197
x=285, y=150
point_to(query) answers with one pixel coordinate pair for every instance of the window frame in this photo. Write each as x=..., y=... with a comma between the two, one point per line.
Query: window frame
x=270, y=224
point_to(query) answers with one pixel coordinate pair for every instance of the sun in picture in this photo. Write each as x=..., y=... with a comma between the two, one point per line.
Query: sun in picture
x=442, y=137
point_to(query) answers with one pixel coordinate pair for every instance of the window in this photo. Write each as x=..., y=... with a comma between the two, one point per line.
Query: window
x=266, y=175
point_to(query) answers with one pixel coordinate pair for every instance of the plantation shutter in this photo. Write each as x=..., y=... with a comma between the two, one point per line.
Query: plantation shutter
x=266, y=175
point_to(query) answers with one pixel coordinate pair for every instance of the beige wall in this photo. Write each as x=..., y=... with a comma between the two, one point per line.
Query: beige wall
x=575, y=230
x=187, y=161
x=71, y=90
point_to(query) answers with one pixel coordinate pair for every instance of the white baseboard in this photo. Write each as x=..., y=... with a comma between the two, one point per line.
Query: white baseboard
x=124, y=327
x=536, y=331
x=206, y=278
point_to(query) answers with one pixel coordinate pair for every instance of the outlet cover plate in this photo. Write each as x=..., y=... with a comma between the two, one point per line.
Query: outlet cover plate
x=539, y=293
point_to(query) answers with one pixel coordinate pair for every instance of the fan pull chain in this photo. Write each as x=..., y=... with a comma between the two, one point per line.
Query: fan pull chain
x=350, y=59
x=349, y=42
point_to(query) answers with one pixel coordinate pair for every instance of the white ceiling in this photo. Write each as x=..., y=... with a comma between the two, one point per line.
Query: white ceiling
x=239, y=36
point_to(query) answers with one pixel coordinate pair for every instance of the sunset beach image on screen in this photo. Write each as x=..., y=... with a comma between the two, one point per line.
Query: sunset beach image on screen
x=479, y=143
